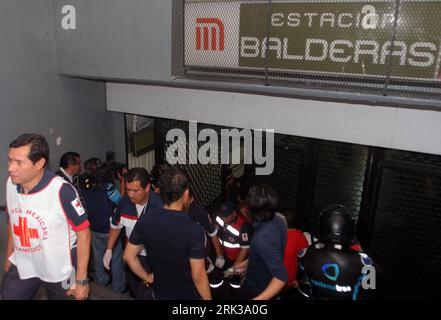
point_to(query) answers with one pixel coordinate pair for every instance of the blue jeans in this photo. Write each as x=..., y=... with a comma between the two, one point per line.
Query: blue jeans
x=99, y=245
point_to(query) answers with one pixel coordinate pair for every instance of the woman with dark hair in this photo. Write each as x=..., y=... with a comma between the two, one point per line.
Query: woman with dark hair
x=266, y=274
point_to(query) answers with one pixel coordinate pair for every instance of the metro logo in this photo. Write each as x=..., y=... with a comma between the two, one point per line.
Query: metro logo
x=204, y=41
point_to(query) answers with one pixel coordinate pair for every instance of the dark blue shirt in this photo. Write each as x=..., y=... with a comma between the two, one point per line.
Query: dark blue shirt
x=170, y=238
x=266, y=255
x=100, y=203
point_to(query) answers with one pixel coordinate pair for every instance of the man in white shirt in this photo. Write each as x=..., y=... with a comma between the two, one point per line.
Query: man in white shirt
x=70, y=166
x=137, y=201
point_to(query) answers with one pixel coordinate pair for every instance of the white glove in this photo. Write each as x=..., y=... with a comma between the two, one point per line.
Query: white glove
x=211, y=266
x=229, y=273
x=220, y=261
x=107, y=258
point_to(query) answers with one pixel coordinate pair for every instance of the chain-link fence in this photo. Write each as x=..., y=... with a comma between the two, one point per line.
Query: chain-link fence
x=380, y=47
x=339, y=178
x=405, y=236
x=206, y=180
x=289, y=155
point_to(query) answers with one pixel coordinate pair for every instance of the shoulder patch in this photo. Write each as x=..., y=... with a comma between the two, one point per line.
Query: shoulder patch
x=76, y=204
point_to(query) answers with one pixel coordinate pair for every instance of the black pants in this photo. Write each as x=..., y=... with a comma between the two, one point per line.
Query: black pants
x=137, y=286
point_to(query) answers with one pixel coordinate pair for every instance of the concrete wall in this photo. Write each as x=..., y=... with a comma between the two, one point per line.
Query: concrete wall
x=34, y=98
x=389, y=127
x=128, y=39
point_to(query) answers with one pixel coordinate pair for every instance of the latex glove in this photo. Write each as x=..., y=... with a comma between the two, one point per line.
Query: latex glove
x=240, y=268
x=107, y=258
x=220, y=261
x=210, y=266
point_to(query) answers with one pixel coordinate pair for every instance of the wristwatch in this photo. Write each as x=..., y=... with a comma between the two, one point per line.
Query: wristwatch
x=83, y=282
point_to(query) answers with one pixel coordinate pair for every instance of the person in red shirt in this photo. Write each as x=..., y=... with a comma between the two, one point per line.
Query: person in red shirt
x=295, y=243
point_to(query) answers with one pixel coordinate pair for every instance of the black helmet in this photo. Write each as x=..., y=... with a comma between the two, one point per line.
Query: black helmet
x=336, y=224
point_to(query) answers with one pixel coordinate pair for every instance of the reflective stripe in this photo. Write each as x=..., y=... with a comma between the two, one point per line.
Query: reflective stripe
x=214, y=232
x=231, y=245
x=235, y=286
x=220, y=221
x=233, y=231
x=229, y=228
x=217, y=285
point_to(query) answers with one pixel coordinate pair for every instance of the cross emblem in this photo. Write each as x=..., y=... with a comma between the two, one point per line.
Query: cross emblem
x=78, y=204
x=24, y=233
